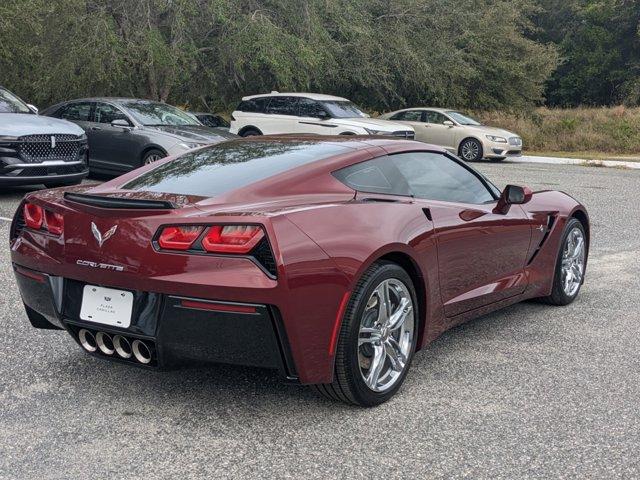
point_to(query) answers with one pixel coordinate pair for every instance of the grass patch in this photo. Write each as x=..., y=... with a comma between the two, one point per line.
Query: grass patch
x=600, y=132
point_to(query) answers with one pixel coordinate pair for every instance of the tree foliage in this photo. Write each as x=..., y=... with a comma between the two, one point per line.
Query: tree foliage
x=599, y=41
x=382, y=54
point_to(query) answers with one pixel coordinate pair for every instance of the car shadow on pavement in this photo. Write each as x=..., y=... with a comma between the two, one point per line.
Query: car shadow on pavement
x=213, y=388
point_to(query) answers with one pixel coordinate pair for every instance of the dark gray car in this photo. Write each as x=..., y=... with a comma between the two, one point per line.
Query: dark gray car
x=38, y=150
x=126, y=133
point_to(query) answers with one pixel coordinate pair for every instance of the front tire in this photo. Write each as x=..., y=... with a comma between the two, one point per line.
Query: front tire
x=471, y=150
x=377, y=339
x=152, y=156
x=570, y=265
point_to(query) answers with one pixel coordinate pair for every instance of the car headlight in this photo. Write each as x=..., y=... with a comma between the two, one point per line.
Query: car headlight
x=83, y=138
x=190, y=145
x=370, y=131
x=493, y=138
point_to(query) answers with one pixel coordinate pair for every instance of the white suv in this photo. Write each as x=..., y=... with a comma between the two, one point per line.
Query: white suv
x=281, y=113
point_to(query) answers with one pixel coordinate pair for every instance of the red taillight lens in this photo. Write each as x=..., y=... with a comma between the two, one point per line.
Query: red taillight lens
x=33, y=216
x=179, y=238
x=232, y=238
x=54, y=222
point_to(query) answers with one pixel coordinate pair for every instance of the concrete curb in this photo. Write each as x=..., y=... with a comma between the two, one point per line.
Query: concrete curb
x=576, y=161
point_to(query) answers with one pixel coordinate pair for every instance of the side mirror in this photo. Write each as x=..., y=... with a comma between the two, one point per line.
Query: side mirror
x=121, y=123
x=448, y=123
x=512, y=195
x=33, y=108
x=323, y=115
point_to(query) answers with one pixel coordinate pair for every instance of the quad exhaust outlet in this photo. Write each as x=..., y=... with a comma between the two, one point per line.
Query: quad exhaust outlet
x=116, y=346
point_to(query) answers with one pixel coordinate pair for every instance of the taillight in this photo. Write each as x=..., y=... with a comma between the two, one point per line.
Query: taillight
x=232, y=238
x=179, y=238
x=54, y=222
x=239, y=239
x=38, y=218
x=33, y=216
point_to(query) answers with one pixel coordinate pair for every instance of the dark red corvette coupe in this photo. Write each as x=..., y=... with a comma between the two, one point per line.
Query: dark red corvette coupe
x=332, y=259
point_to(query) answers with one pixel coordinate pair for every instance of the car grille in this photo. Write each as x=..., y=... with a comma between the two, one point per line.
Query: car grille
x=41, y=148
x=516, y=141
x=408, y=134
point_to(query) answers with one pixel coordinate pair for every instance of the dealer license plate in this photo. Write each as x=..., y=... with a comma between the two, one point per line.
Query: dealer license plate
x=107, y=306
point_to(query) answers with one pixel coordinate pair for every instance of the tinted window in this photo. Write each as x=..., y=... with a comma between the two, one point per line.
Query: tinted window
x=9, y=103
x=283, y=106
x=212, y=120
x=431, y=176
x=378, y=175
x=255, y=105
x=409, y=116
x=75, y=111
x=230, y=165
x=311, y=108
x=434, y=176
x=106, y=113
x=435, y=117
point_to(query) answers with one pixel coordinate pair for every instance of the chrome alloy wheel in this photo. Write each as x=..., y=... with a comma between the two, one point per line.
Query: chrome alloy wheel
x=386, y=335
x=470, y=150
x=573, y=256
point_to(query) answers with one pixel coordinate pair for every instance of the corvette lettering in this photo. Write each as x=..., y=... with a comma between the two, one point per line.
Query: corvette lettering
x=103, y=266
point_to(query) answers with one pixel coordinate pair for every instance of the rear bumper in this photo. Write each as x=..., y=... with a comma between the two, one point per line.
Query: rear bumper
x=177, y=329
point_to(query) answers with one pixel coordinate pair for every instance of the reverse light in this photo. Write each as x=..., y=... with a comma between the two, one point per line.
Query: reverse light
x=179, y=237
x=54, y=222
x=33, y=216
x=232, y=238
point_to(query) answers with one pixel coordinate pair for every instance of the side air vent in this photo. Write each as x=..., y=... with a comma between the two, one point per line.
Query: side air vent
x=264, y=256
x=550, y=222
x=118, y=203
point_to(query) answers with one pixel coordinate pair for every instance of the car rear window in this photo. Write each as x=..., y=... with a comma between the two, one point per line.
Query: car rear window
x=227, y=166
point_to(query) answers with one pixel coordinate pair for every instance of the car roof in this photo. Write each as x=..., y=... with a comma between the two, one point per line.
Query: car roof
x=441, y=110
x=312, y=96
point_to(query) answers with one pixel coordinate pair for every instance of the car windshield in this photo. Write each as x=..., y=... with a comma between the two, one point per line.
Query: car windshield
x=156, y=113
x=462, y=119
x=9, y=103
x=230, y=165
x=343, y=109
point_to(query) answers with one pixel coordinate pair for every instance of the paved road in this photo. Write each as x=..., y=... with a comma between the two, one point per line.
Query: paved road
x=530, y=392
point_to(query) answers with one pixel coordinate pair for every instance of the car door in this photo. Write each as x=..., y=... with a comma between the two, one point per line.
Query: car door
x=112, y=148
x=314, y=118
x=435, y=132
x=280, y=116
x=481, y=254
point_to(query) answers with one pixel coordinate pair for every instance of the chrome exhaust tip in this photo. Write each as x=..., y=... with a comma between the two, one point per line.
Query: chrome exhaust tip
x=87, y=340
x=122, y=346
x=141, y=351
x=105, y=343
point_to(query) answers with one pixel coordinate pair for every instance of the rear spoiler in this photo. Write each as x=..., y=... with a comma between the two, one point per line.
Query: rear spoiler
x=120, y=203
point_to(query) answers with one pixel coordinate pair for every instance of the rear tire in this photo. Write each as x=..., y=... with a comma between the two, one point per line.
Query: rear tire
x=377, y=339
x=569, y=262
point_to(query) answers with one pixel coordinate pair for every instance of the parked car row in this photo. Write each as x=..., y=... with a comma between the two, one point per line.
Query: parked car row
x=115, y=135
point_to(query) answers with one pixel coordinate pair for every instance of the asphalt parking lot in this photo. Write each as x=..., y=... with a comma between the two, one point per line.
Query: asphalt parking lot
x=529, y=392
